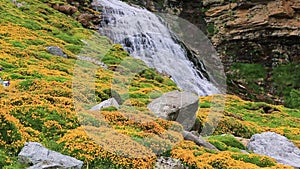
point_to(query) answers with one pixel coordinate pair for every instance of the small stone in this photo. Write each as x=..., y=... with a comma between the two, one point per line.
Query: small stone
x=55, y=50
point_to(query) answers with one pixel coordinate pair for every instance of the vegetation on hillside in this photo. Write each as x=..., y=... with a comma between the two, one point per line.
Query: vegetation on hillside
x=41, y=103
x=250, y=80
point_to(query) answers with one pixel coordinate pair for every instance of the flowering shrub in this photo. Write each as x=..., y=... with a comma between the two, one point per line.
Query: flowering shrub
x=245, y=118
x=39, y=103
x=107, y=147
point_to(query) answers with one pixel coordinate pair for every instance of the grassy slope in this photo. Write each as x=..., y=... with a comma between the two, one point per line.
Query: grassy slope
x=284, y=80
x=38, y=106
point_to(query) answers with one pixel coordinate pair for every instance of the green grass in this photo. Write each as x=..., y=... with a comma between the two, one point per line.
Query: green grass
x=257, y=160
x=223, y=142
x=39, y=105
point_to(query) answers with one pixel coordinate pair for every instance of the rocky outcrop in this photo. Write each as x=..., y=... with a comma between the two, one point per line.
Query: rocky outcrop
x=39, y=157
x=83, y=11
x=267, y=28
x=66, y=9
x=275, y=146
x=265, y=32
x=89, y=20
x=176, y=106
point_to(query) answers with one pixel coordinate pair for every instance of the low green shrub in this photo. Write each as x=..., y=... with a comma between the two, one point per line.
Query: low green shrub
x=293, y=100
x=257, y=160
x=228, y=140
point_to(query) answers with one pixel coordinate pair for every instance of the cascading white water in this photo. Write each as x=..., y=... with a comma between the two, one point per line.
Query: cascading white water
x=145, y=37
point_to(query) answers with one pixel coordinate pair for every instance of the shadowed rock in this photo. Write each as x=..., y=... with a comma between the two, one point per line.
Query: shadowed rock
x=176, y=106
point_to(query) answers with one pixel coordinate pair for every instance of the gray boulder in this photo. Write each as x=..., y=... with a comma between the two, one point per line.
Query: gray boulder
x=39, y=157
x=55, y=50
x=176, y=106
x=106, y=103
x=275, y=146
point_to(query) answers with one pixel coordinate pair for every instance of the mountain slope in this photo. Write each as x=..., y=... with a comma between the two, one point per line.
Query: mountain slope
x=41, y=105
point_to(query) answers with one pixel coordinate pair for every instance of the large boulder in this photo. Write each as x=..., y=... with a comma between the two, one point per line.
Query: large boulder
x=275, y=146
x=106, y=103
x=176, y=106
x=39, y=157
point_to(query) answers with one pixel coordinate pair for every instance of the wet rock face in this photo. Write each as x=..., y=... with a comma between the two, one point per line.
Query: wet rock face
x=186, y=9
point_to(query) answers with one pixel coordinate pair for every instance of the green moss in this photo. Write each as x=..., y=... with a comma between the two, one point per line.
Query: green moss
x=205, y=104
x=257, y=160
x=35, y=42
x=227, y=140
x=293, y=99
x=18, y=44
x=211, y=29
x=89, y=120
x=155, y=94
x=16, y=76
x=110, y=108
x=25, y=84
x=74, y=48
x=114, y=56
x=250, y=74
x=286, y=77
x=43, y=55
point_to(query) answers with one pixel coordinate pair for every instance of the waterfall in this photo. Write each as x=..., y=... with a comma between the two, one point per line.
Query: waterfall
x=146, y=37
